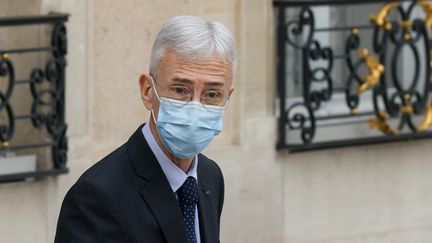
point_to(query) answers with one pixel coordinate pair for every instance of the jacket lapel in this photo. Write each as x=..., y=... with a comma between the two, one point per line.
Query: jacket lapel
x=155, y=189
x=206, y=211
x=164, y=206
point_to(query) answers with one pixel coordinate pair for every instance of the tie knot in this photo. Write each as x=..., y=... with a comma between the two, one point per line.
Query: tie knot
x=188, y=192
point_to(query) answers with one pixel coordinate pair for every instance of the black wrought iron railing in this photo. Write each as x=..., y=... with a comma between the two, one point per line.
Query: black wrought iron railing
x=352, y=72
x=37, y=114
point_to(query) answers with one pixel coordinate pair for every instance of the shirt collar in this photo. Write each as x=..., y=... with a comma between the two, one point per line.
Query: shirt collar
x=176, y=176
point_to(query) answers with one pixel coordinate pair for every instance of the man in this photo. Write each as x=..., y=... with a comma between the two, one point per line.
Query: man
x=158, y=187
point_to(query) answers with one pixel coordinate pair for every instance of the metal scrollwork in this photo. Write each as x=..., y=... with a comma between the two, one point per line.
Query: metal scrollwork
x=352, y=43
x=47, y=90
x=409, y=99
x=375, y=70
x=300, y=116
x=46, y=97
x=374, y=82
x=405, y=101
x=427, y=8
x=47, y=106
x=364, y=58
x=296, y=29
x=427, y=120
x=300, y=34
x=381, y=18
x=60, y=148
x=59, y=40
x=6, y=128
x=32, y=100
x=321, y=74
x=381, y=120
x=312, y=52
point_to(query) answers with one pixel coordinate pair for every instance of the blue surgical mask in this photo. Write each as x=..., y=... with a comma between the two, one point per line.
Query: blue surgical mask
x=186, y=128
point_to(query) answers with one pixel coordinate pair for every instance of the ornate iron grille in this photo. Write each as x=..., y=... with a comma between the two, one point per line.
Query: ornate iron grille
x=353, y=87
x=46, y=89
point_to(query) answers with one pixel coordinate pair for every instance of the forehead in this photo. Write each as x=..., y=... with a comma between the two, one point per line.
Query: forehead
x=172, y=65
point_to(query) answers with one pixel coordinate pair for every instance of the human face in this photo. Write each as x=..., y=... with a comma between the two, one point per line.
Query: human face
x=199, y=76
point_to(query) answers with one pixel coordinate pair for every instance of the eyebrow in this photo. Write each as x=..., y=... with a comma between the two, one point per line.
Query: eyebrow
x=186, y=80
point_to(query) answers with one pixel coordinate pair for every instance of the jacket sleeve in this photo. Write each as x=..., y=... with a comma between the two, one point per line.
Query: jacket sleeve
x=221, y=194
x=88, y=216
x=221, y=199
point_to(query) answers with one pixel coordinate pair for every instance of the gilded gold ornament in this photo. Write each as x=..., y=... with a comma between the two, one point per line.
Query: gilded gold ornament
x=380, y=19
x=427, y=8
x=380, y=122
x=375, y=70
x=427, y=120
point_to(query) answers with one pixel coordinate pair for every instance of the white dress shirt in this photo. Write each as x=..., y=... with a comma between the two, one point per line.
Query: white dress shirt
x=176, y=176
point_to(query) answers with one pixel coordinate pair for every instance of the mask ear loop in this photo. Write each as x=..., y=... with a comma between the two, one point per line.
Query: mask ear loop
x=157, y=96
x=154, y=88
x=152, y=115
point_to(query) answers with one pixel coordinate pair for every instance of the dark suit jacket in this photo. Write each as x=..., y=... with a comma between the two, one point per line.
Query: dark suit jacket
x=126, y=197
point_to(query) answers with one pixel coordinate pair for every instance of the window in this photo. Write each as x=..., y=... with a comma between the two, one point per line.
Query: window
x=345, y=79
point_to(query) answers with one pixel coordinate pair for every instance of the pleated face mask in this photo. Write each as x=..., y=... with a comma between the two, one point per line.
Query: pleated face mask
x=186, y=128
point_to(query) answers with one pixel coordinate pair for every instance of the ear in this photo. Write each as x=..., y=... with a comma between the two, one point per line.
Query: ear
x=230, y=92
x=146, y=90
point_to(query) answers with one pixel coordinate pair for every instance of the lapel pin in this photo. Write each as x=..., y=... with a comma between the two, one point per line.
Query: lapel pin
x=207, y=192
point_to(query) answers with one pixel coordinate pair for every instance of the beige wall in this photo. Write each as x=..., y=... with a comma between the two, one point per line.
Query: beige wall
x=368, y=194
x=357, y=195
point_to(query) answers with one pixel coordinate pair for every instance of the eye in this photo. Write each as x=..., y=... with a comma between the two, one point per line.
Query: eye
x=213, y=94
x=180, y=90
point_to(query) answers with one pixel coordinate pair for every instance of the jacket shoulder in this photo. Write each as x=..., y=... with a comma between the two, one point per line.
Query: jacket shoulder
x=108, y=170
x=208, y=166
x=88, y=212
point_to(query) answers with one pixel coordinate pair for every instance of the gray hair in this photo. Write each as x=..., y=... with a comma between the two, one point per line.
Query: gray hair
x=194, y=38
